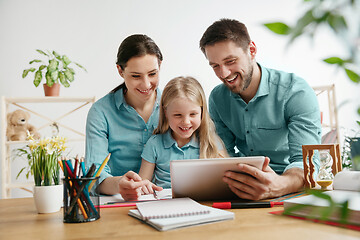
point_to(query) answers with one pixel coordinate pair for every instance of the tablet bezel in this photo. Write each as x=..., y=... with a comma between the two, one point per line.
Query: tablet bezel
x=201, y=179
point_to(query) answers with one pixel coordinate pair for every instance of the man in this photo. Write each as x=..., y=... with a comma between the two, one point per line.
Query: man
x=259, y=111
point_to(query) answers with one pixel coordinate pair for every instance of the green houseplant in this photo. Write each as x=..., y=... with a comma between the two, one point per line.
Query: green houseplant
x=56, y=70
x=43, y=156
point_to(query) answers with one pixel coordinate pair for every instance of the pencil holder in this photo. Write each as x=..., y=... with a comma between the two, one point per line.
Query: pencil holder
x=81, y=199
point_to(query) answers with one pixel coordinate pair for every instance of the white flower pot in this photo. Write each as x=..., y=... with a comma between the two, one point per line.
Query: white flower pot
x=48, y=199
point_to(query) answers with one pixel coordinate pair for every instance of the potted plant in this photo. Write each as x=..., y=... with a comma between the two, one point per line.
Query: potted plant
x=57, y=70
x=43, y=156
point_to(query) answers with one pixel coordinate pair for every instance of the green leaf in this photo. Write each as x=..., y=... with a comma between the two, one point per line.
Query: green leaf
x=358, y=110
x=35, y=60
x=278, y=28
x=352, y=75
x=66, y=60
x=53, y=64
x=49, y=80
x=42, y=52
x=71, y=70
x=57, y=55
x=319, y=194
x=17, y=176
x=38, y=77
x=26, y=71
x=336, y=22
x=344, y=211
x=322, y=18
x=302, y=23
x=69, y=75
x=334, y=60
x=54, y=75
x=63, y=80
x=80, y=66
x=42, y=67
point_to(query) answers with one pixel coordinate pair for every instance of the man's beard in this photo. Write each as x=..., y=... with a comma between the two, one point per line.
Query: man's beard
x=245, y=83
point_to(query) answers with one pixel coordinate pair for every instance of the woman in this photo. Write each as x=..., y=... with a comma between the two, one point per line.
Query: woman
x=121, y=122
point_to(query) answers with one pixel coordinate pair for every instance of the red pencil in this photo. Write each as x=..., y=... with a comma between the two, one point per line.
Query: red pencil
x=117, y=205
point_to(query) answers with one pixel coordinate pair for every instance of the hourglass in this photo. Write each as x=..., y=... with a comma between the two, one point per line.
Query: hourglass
x=325, y=176
x=309, y=167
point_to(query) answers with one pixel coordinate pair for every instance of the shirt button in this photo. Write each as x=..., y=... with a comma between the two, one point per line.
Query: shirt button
x=247, y=131
x=251, y=150
x=246, y=110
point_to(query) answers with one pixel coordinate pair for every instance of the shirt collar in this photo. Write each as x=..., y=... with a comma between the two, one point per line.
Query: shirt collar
x=263, y=88
x=169, y=141
x=264, y=83
x=120, y=98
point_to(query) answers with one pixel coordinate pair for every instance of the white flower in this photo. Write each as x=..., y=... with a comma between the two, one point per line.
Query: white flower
x=49, y=148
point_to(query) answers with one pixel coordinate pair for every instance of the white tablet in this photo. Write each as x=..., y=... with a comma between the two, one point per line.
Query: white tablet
x=201, y=179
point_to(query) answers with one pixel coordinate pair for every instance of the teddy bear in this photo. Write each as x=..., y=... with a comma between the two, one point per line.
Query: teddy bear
x=17, y=126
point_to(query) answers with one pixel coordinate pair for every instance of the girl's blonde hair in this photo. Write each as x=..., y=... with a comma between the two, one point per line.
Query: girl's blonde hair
x=190, y=88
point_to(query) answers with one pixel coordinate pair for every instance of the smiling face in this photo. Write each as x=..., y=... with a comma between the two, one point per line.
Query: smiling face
x=141, y=76
x=231, y=64
x=184, y=118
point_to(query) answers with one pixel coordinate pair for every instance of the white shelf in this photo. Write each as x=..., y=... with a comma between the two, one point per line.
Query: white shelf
x=6, y=162
x=48, y=99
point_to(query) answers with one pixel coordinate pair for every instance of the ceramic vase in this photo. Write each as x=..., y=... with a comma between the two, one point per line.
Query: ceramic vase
x=48, y=199
x=53, y=91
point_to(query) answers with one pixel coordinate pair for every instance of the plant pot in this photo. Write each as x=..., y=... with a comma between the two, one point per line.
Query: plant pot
x=48, y=199
x=53, y=91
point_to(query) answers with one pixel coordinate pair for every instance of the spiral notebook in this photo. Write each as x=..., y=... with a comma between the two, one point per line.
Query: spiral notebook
x=176, y=213
x=168, y=208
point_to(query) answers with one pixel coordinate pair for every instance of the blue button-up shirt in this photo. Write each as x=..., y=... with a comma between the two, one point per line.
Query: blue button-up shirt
x=161, y=149
x=113, y=126
x=282, y=116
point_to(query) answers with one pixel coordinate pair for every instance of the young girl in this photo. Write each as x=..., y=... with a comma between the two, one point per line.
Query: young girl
x=185, y=131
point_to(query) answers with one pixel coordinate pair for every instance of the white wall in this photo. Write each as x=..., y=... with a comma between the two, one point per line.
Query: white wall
x=90, y=31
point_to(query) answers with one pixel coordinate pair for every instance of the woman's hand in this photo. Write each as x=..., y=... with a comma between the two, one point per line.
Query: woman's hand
x=149, y=188
x=131, y=186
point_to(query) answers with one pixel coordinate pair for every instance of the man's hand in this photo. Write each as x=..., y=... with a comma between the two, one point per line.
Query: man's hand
x=255, y=184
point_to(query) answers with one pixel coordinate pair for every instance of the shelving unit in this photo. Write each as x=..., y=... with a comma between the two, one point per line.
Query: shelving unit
x=19, y=103
x=329, y=123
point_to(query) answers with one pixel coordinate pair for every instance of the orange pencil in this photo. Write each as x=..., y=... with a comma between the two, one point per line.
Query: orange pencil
x=99, y=171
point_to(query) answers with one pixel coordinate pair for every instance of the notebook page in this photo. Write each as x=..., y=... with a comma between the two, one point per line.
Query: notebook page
x=170, y=208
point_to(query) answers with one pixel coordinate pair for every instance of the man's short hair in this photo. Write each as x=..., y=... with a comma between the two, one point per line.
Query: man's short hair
x=224, y=30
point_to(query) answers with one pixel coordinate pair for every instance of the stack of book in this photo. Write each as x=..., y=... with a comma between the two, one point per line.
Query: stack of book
x=339, y=206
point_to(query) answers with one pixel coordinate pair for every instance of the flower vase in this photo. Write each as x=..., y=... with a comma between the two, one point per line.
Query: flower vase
x=53, y=91
x=48, y=199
